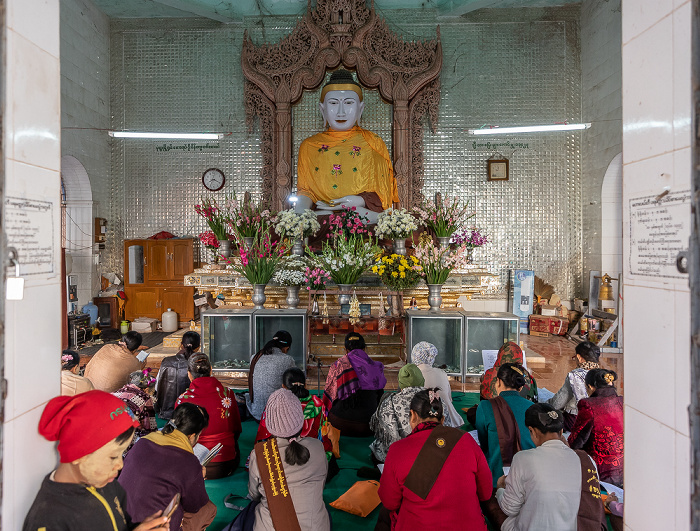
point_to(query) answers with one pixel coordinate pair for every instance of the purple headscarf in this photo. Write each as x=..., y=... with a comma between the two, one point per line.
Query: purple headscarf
x=369, y=373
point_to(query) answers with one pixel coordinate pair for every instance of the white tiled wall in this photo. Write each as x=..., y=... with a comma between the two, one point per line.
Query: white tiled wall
x=656, y=154
x=32, y=329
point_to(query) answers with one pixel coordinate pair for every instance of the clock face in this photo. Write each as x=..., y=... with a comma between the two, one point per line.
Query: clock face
x=213, y=179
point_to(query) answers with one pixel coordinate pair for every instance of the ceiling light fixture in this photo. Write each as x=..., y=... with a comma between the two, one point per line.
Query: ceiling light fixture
x=496, y=130
x=166, y=136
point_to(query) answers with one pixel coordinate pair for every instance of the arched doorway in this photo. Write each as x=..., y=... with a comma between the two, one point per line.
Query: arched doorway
x=611, y=217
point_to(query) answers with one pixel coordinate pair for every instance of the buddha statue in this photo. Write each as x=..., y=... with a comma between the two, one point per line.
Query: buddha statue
x=345, y=165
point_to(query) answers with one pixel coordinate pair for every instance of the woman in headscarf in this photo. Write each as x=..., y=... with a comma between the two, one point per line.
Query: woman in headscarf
x=423, y=355
x=354, y=386
x=508, y=353
x=392, y=420
x=137, y=394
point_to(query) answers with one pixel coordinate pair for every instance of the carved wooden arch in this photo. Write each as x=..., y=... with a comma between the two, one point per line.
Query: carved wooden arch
x=347, y=33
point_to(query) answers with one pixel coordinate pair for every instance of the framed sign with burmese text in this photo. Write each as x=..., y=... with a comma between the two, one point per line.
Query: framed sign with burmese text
x=497, y=169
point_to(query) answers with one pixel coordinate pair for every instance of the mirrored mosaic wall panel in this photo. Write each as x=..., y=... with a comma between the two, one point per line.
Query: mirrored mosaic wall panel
x=500, y=71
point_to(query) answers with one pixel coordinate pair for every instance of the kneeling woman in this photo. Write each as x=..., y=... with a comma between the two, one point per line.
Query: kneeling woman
x=436, y=474
x=163, y=464
x=303, y=472
x=354, y=386
x=548, y=488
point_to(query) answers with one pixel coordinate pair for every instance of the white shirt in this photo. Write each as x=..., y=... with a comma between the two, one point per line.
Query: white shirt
x=438, y=378
x=543, y=489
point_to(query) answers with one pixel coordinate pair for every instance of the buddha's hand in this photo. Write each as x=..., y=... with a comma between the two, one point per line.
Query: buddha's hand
x=347, y=201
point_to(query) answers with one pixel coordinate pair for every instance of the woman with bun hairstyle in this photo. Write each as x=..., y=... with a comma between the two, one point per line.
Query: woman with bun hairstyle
x=172, y=376
x=266, y=370
x=224, y=421
x=162, y=464
x=354, y=386
x=436, y=476
x=599, y=425
x=71, y=382
x=92, y=429
x=303, y=472
x=549, y=488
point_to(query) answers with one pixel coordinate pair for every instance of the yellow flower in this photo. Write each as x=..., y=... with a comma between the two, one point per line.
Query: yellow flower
x=402, y=268
x=415, y=260
x=374, y=269
x=395, y=274
x=403, y=275
x=381, y=270
x=389, y=261
x=404, y=262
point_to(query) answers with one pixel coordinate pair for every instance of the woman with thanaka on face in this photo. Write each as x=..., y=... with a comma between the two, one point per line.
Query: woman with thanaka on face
x=345, y=165
x=600, y=424
x=162, y=464
x=224, y=421
x=546, y=488
x=436, y=475
x=93, y=429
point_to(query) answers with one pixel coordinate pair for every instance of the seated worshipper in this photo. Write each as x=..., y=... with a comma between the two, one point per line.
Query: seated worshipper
x=392, y=420
x=111, y=366
x=224, y=421
x=599, y=425
x=574, y=388
x=423, y=355
x=92, y=429
x=303, y=470
x=137, y=395
x=345, y=165
x=172, y=376
x=552, y=487
x=266, y=370
x=71, y=382
x=435, y=477
x=354, y=386
x=162, y=463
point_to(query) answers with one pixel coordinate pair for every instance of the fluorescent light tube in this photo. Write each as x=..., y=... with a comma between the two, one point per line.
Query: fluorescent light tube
x=528, y=129
x=166, y=136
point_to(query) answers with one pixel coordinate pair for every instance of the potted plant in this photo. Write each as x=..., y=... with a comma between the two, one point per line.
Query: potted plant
x=443, y=216
x=472, y=238
x=217, y=217
x=398, y=273
x=437, y=262
x=290, y=273
x=396, y=225
x=297, y=227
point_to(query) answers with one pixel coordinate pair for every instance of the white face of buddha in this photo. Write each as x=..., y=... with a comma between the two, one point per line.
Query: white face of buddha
x=342, y=109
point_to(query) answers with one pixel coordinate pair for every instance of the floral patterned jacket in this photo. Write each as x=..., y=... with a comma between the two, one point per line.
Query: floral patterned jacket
x=224, y=421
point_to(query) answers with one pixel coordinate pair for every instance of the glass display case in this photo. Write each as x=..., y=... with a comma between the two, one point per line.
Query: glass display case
x=487, y=331
x=442, y=328
x=227, y=338
x=267, y=322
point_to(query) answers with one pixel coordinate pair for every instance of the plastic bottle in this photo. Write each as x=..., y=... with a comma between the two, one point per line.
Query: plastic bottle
x=124, y=327
x=91, y=310
x=169, y=320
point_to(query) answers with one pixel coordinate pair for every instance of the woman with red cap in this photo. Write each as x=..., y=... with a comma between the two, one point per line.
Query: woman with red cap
x=92, y=429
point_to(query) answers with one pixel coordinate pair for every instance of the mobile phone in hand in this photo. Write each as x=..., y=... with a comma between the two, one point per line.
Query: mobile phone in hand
x=172, y=506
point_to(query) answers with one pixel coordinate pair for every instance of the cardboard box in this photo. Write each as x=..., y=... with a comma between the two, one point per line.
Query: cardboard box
x=546, y=309
x=144, y=325
x=539, y=334
x=548, y=324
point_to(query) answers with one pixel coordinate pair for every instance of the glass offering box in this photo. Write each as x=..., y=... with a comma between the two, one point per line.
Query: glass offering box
x=487, y=331
x=267, y=322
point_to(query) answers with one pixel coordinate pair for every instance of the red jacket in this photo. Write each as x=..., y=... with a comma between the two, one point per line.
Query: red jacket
x=224, y=421
x=599, y=431
x=453, y=502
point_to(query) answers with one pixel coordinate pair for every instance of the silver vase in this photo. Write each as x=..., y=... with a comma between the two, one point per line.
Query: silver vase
x=292, y=299
x=434, y=296
x=470, y=255
x=314, y=305
x=258, y=296
x=225, y=248
x=345, y=299
x=444, y=241
x=400, y=246
x=248, y=241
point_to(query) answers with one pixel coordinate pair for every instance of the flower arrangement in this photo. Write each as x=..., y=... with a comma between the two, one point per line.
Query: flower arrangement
x=297, y=226
x=209, y=240
x=395, y=224
x=437, y=262
x=216, y=216
x=347, y=222
x=347, y=257
x=315, y=278
x=259, y=261
x=291, y=271
x=247, y=219
x=471, y=238
x=443, y=216
x=398, y=272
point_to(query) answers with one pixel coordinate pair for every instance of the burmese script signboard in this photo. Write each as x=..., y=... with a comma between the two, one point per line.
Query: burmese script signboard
x=659, y=230
x=30, y=229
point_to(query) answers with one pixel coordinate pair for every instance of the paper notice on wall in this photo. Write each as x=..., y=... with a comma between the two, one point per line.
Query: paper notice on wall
x=29, y=225
x=659, y=230
x=489, y=357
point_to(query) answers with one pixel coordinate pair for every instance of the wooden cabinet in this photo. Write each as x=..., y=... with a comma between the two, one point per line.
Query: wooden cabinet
x=154, y=272
x=107, y=311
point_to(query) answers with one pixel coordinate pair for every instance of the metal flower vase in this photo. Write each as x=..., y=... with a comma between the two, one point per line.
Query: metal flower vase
x=225, y=248
x=258, y=296
x=292, y=299
x=248, y=241
x=298, y=247
x=434, y=296
x=345, y=298
x=444, y=242
x=400, y=246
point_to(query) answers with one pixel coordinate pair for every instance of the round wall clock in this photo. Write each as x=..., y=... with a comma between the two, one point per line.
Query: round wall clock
x=213, y=179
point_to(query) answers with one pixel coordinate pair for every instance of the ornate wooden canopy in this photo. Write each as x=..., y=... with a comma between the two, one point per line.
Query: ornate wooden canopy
x=347, y=33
